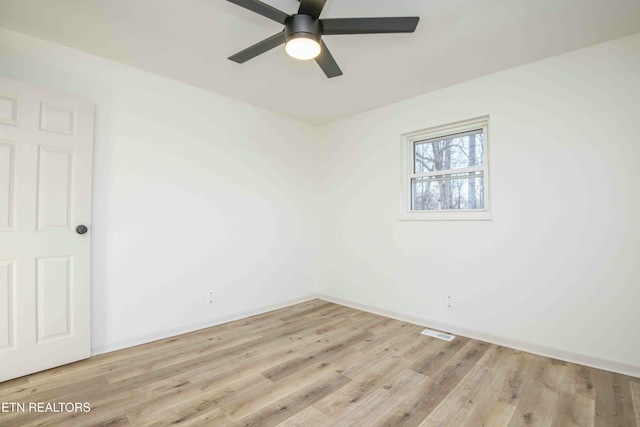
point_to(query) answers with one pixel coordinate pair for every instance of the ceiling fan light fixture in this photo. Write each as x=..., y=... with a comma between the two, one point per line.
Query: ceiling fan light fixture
x=302, y=46
x=303, y=31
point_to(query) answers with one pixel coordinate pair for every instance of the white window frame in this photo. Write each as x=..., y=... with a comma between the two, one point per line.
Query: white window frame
x=408, y=141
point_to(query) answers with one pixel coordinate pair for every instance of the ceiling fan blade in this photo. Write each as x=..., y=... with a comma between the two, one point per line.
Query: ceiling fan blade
x=311, y=7
x=369, y=25
x=327, y=63
x=258, y=48
x=262, y=9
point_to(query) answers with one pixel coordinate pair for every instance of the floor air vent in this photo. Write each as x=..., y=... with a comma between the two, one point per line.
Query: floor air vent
x=438, y=334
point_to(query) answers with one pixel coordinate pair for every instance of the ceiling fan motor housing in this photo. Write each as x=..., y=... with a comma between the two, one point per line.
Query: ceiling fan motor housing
x=301, y=25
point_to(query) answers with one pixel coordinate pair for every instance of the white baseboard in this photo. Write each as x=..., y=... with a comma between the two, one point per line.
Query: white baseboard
x=191, y=328
x=581, y=359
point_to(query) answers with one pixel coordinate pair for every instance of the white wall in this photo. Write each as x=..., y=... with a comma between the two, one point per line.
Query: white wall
x=192, y=192
x=557, y=269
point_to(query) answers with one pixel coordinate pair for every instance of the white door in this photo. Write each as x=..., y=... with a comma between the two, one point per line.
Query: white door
x=46, y=142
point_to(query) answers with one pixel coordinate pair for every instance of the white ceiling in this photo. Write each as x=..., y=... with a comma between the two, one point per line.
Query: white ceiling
x=456, y=40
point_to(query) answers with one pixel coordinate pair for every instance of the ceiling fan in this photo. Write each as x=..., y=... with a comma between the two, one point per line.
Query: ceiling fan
x=303, y=31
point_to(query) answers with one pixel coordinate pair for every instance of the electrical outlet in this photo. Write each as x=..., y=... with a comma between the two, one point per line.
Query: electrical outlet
x=449, y=301
x=210, y=297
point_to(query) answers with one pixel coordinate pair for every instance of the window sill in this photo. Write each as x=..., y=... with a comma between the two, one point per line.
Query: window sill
x=447, y=216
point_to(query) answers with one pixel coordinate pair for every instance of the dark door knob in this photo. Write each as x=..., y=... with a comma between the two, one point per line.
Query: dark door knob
x=81, y=229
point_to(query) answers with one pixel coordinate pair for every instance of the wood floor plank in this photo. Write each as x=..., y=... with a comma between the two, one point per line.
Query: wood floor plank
x=311, y=357
x=494, y=414
x=321, y=364
x=441, y=355
x=414, y=410
x=382, y=325
x=319, y=310
x=635, y=396
x=539, y=398
x=256, y=398
x=579, y=381
x=614, y=403
x=195, y=416
x=362, y=385
x=512, y=375
x=574, y=410
x=295, y=402
x=395, y=344
x=399, y=411
x=385, y=399
x=457, y=407
x=447, y=378
x=185, y=355
x=309, y=417
x=496, y=403
x=421, y=346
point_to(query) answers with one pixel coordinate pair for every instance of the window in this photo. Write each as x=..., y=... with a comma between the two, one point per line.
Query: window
x=446, y=172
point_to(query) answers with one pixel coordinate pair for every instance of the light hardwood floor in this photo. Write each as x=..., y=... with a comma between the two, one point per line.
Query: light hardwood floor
x=322, y=364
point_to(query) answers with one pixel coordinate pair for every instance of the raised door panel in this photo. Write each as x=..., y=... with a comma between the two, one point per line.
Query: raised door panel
x=7, y=304
x=55, y=188
x=57, y=119
x=7, y=182
x=8, y=110
x=54, y=296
